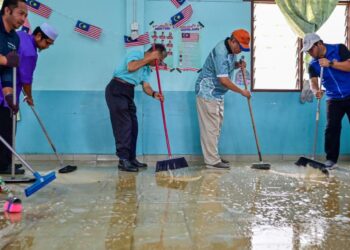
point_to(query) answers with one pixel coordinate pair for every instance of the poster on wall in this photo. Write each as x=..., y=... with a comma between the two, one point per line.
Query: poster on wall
x=189, y=56
x=164, y=34
x=239, y=77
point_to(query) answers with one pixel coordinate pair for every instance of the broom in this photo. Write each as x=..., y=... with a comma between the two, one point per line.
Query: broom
x=63, y=169
x=303, y=161
x=261, y=164
x=40, y=181
x=171, y=163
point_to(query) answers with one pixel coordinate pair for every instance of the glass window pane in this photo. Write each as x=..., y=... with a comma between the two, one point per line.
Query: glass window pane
x=275, y=50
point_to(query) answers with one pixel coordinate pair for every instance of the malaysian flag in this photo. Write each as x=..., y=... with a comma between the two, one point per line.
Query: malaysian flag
x=141, y=40
x=26, y=27
x=178, y=3
x=190, y=37
x=182, y=17
x=88, y=30
x=39, y=8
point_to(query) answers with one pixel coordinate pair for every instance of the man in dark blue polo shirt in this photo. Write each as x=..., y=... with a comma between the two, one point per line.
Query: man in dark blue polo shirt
x=335, y=59
x=13, y=14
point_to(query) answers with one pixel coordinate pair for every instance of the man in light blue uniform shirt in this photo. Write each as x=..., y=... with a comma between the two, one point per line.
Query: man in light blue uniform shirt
x=133, y=71
x=212, y=84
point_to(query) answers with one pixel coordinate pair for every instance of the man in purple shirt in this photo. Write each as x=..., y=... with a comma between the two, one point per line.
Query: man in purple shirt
x=42, y=38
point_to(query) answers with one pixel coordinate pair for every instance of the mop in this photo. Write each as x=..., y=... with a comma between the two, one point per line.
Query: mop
x=303, y=161
x=261, y=164
x=63, y=169
x=171, y=163
x=40, y=181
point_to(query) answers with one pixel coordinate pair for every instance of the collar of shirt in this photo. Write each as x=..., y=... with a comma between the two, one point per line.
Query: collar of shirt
x=33, y=41
x=228, y=46
x=2, y=27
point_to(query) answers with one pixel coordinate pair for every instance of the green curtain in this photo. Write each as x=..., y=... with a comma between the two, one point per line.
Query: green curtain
x=306, y=16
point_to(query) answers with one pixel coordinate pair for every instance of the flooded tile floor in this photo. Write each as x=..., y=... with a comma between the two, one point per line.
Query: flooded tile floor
x=287, y=207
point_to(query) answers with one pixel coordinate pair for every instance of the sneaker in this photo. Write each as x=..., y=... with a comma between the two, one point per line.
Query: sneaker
x=219, y=165
x=138, y=164
x=125, y=165
x=330, y=164
x=224, y=161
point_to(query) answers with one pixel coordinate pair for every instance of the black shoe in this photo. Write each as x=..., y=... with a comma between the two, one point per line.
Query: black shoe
x=18, y=166
x=125, y=165
x=138, y=164
x=8, y=171
x=224, y=161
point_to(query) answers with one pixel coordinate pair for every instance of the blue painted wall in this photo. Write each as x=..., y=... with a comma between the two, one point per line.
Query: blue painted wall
x=71, y=77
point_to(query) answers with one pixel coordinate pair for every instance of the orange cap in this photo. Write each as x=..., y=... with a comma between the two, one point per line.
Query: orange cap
x=243, y=37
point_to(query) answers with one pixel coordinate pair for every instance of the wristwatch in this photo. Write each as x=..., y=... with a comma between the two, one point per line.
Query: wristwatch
x=331, y=63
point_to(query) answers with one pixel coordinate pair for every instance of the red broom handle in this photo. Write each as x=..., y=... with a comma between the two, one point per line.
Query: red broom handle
x=162, y=107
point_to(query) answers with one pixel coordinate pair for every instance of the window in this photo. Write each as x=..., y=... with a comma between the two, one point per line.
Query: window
x=277, y=64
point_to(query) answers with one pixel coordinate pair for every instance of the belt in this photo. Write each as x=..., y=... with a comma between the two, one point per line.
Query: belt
x=123, y=82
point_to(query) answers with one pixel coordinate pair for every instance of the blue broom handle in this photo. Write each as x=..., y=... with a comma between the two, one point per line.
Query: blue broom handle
x=317, y=116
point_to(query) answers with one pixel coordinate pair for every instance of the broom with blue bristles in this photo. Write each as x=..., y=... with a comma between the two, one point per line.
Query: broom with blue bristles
x=171, y=163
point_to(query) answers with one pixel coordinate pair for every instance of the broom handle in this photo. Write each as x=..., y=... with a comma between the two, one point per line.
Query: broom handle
x=46, y=134
x=162, y=107
x=317, y=116
x=251, y=113
x=17, y=155
x=14, y=120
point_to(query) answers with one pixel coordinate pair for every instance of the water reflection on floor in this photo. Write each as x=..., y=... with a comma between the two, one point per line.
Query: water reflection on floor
x=287, y=207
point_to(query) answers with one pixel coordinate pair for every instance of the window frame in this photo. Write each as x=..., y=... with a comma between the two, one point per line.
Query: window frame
x=299, y=56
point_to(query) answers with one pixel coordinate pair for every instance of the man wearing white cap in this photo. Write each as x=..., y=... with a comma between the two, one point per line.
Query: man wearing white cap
x=42, y=38
x=335, y=59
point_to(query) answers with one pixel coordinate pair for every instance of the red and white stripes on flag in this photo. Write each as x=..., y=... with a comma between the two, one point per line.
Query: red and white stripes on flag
x=178, y=3
x=182, y=17
x=88, y=30
x=141, y=40
x=39, y=8
x=190, y=37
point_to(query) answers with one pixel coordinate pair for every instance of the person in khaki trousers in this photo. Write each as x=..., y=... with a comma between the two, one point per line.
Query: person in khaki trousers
x=212, y=84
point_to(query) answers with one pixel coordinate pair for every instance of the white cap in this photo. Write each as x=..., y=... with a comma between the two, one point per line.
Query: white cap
x=49, y=31
x=309, y=40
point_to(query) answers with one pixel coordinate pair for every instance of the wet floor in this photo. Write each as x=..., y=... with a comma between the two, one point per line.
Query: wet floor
x=287, y=207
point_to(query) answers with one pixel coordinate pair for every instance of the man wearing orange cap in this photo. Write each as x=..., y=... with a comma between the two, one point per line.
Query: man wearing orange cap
x=212, y=84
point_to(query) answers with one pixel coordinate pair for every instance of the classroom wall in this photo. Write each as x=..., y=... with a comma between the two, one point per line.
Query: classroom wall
x=71, y=76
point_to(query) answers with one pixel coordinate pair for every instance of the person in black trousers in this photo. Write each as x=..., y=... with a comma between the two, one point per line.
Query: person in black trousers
x=335, y=61
x=13, y=14
x=134, y=70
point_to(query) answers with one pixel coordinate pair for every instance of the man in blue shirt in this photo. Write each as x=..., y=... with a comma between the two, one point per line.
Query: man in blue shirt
x=133, y=71
x=212, y=84
x=13, y=14
x=335, y=59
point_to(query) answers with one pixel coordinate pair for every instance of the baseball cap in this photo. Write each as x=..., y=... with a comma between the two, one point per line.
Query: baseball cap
x=309, y=40
x=49, y=31
x=243, y=38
